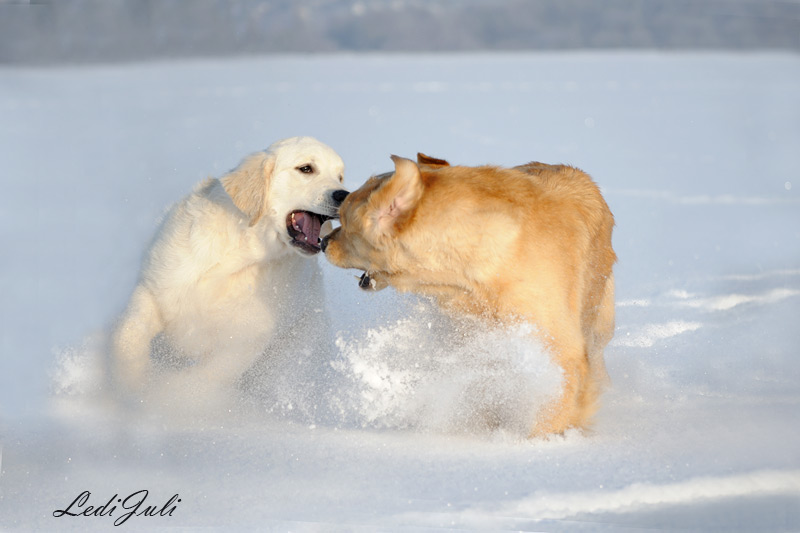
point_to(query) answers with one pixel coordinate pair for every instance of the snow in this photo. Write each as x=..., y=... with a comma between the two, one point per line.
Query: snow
x=414, y=422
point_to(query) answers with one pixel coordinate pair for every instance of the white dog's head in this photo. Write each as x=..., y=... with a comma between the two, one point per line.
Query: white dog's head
x=291, y=188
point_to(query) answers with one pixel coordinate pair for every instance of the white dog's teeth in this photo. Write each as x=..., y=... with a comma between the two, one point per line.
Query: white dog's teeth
x=294, y=224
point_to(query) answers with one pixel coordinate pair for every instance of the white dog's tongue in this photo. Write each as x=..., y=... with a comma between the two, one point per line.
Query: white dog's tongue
x=309, y=224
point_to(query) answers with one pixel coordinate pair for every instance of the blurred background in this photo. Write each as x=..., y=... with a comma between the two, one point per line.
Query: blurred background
x=43, y=31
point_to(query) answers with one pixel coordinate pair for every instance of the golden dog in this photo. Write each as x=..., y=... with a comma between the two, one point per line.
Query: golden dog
x=530, y=243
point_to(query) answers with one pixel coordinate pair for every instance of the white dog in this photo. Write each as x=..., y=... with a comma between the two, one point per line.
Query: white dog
x=231, y=269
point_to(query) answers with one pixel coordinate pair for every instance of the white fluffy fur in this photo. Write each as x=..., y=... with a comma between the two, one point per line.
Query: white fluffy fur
x=221, y=280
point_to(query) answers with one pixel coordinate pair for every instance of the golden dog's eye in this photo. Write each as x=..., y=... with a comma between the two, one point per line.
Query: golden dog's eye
x=306, y=169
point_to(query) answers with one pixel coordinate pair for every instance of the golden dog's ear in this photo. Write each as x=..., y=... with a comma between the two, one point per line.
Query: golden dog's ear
x=423, y=159
x=398, y=197
x=248, y=184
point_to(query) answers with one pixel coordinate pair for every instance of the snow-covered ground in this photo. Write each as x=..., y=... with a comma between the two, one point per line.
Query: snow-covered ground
x=698, y=156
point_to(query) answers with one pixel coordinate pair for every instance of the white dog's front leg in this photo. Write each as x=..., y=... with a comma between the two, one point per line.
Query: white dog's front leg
x=207, y=389
x=130, y=341
x=224, y=369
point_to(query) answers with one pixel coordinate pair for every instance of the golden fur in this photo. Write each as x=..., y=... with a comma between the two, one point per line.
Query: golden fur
x=531, y=242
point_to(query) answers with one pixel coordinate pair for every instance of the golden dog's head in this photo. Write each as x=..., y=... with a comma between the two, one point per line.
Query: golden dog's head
x=373, y=218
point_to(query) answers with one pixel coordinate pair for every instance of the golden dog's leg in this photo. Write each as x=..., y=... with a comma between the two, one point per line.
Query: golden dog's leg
x=601, y=334
x=576, y=404
x=584, y=371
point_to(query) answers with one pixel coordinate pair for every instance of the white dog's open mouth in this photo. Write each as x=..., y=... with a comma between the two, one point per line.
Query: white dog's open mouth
x=304, y=229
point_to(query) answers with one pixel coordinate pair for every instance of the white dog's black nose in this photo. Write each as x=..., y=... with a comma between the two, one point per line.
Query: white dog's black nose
x=340, y=195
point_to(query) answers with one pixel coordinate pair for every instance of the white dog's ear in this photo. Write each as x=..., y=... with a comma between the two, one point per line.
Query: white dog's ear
x=398, y=197
x=248, y=185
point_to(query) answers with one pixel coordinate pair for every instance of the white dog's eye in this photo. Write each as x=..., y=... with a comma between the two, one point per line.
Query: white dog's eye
x=306, y=169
